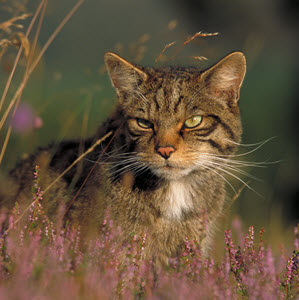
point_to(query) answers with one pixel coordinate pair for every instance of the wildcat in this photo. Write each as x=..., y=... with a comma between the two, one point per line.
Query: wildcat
x=161, y=172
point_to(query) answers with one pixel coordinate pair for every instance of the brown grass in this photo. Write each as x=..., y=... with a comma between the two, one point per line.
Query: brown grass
x=199, y=34
x=31, y=65
x=164, y=49
x=183, y=44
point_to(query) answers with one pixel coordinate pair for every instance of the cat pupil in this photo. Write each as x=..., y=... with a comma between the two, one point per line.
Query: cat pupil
x=144, y=123
x=193, y=122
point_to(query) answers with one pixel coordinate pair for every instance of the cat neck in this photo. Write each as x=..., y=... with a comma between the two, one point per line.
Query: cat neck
x=174, y=199
x=190, y=196
x=177, y=199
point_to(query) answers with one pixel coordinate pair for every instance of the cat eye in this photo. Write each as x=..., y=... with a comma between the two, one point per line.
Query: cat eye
x=144, y=123
x=193, y=122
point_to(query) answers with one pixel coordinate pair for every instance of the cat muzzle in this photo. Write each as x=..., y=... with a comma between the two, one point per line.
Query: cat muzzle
x=165, y=152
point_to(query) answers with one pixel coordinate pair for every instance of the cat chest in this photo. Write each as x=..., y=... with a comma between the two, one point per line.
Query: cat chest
x=177, y=200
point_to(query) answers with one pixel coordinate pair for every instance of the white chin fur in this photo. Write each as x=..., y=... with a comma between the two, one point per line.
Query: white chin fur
x=171, y=173
x=179, y=199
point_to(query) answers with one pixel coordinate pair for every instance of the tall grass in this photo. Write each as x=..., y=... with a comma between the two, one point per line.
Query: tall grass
x=31, y=64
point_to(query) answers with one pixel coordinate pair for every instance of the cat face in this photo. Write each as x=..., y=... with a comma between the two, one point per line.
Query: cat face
x=176, y=117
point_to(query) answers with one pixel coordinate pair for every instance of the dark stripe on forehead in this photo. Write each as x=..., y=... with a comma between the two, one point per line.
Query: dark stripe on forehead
x=178, y=103
x=156, y=101
x=155, y=96
x=160, y=96
x=166, y=99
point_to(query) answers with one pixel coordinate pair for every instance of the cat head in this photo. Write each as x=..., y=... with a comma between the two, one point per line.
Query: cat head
x=176, y=117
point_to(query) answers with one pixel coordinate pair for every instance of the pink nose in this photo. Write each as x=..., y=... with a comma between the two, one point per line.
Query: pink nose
x=165, y=152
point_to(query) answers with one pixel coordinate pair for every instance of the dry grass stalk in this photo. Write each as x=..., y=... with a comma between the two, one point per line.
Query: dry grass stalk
x=181, y=46
x=199, y=57
x=81, y=145
x=99, y=141
x=78, y=192
x=164, y=49
x=30, y=67
x=30, y=56
x=6, y=26
x=16, y=39
x=19, y=55
x=239, y=192
x=5, y=143
x=22, y=85
x=20, y=40
x=37, y=33
x=199, y=34
x=54, y=34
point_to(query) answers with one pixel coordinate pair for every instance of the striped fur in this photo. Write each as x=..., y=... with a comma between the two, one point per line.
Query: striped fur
x=169, y=197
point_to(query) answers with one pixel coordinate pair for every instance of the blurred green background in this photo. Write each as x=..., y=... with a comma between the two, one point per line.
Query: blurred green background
x=71, y=93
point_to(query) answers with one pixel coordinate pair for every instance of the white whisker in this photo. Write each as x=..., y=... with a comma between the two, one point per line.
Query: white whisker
x=240, y=154
x=130, y=167
x=112, y=151
x=220, y=175
x=116, y=155
x=234, y=169
x=235, y=176
x=251, y=145
x=116, y=163
x=239, y=163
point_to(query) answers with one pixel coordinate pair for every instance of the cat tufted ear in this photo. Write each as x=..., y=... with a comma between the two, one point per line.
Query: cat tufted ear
x=226, y=77
x=124, y=76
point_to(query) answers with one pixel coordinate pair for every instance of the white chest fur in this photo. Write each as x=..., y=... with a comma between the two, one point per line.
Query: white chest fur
x=178, y=199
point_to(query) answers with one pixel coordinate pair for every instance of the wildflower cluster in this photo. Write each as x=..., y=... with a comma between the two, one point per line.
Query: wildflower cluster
x=40, y=259
x=255, y=271
x=290, y=279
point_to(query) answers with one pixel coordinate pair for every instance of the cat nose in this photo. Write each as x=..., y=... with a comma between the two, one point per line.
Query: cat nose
x=165, y=152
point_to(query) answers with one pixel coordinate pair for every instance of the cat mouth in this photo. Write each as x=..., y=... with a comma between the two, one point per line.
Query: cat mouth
x=168, y=167
x=170, y=172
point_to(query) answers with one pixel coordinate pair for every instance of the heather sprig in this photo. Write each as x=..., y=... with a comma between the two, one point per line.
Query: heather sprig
x=51, y=260
x=236, y=261
x=296, y=240
x=35, y=210
x=290, y=279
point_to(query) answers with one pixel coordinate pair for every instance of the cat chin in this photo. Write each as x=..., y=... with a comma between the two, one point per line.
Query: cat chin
x=171, y=173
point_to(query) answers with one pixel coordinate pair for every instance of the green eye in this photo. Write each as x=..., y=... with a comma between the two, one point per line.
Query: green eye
x=193, y=122
x=144, y=123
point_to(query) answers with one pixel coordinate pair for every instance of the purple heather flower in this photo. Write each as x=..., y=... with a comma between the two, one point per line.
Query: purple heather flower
x=237, y=226
x=25, y=119
x=296, y=241
x=38, y=260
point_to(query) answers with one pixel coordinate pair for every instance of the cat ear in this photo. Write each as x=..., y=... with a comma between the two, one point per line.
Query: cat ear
x=124, y=76
x=226, y=77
